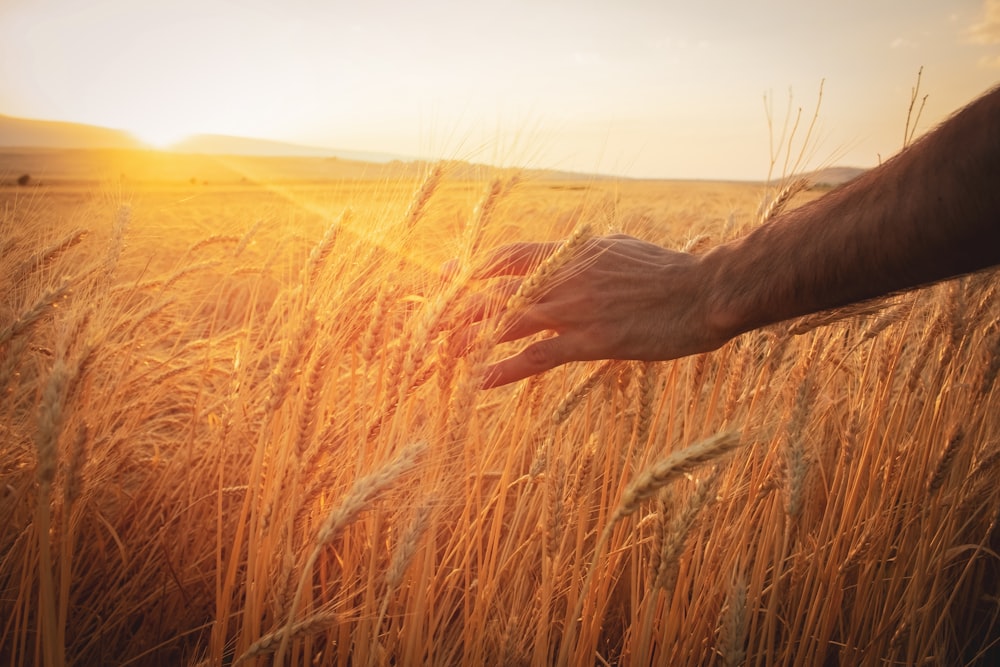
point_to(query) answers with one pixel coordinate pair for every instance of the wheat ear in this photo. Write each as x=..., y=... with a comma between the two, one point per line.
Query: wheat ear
x=733, y=630
x=796, y=460
x=670, y=468
x=309, y=402
x=50, y=418
x=247, y=238
x=289, y=362
x=50, y=254
x=419, y=202
x=575, y=396
x=401, y=557
x=371, y=337
x=320, y=253
x=27, y=319
x=945, y=461
x=532, y=286
x=214, y=239
x=992, y=367
x=304, y=628
x=648, y=483
x=806, y=324
x=780, y=201
x=482, y=215
x=647, y=390
x=357, y=499
x=679, y=528
x=117, y=241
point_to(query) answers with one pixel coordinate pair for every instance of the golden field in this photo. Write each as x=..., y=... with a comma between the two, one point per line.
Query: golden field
x=234, y=431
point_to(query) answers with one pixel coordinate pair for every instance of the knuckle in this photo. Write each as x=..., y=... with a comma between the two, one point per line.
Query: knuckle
x=551, y=352
x=543, y=354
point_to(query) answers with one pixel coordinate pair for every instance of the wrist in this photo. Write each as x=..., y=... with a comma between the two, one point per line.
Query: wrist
x=726, y=312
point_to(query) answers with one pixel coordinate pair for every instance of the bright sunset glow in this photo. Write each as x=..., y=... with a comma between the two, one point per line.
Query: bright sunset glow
x=162, y=135
x=640, y=89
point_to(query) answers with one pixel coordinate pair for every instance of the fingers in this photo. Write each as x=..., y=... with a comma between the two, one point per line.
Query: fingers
x=514, y=259
x=536, y=358
x=483, y=305
x=528, y=322
x=561, y=309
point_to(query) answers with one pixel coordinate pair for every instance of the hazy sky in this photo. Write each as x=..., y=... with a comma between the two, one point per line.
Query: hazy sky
x=656, y=89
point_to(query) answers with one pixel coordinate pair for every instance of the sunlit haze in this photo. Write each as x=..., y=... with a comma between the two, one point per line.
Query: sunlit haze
x=643, y=89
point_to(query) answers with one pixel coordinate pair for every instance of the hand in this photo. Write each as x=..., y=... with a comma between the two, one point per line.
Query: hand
x=619, y=298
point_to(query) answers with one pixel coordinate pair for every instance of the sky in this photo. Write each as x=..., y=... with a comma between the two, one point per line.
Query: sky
x=650, y=89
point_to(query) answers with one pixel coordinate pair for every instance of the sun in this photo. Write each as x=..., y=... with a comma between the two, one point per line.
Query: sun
x=160, y=135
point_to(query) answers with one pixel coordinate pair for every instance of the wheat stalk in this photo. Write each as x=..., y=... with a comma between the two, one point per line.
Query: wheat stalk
x=696, y=244
x=50, y=417
x=890, y=317
x=583, y=471
x=128, y=326
x=924, y=351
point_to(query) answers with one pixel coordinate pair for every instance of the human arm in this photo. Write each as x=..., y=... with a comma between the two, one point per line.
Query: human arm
x=930, y=213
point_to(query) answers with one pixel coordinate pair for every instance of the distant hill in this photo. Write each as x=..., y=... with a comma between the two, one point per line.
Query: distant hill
x=221, y=144
x=50, y=151
x=24, y=132
x=833, y=176
x=30, y=138
x=28, y=133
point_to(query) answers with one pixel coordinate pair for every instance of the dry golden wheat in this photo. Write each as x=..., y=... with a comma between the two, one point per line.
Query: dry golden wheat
x=669, y=469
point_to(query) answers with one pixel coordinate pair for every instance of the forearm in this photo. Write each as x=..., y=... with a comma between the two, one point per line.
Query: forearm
x=930, y=213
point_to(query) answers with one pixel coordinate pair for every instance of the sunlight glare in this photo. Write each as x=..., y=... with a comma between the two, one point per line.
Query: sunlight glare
x=160, y=133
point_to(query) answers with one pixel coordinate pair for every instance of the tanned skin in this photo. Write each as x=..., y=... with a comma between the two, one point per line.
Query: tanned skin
x=930, y=213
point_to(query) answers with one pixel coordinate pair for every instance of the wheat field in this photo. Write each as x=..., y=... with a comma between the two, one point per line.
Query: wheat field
x=236, y=431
